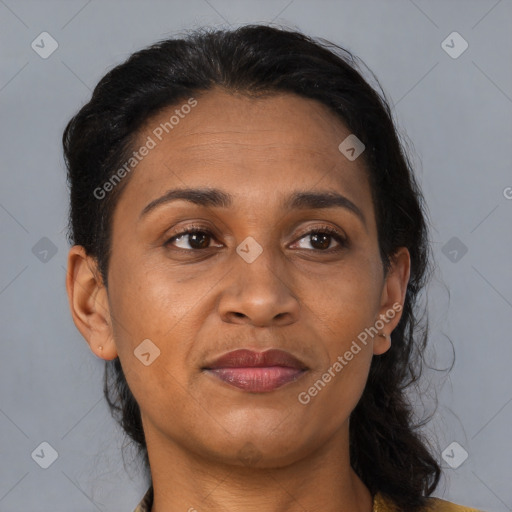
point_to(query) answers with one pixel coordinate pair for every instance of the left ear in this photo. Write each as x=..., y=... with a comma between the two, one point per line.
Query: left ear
x=393, y=298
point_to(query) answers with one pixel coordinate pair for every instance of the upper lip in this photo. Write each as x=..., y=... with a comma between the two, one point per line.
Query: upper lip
x=245, y=358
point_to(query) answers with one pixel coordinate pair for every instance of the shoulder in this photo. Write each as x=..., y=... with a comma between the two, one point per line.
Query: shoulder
x=382, y=504
x=439, y=505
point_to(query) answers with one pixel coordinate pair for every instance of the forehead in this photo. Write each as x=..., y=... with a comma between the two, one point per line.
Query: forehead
x=281, y=123
x=246, y=146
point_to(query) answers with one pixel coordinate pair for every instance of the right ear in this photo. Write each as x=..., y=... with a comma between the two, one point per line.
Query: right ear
x=88, y=302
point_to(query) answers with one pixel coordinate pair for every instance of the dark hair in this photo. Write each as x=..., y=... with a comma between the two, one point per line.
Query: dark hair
x=386, y=448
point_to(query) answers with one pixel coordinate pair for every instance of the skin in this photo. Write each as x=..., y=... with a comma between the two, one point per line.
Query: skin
x=200, y=304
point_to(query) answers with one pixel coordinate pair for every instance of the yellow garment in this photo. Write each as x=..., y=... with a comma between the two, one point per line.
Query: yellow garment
x=380, y=504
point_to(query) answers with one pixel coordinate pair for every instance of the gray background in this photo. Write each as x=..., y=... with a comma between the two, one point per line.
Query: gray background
x=456, y=114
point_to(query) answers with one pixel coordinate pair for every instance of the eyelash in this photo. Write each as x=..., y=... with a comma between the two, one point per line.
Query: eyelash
x=317, y=230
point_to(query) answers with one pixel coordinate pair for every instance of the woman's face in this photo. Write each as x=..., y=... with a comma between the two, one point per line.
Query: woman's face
x=253, y=278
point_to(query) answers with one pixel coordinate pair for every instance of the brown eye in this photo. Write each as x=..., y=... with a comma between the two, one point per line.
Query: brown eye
x=321, y=239
x=195, y=239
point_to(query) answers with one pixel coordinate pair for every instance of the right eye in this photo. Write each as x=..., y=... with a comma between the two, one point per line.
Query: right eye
x=195, y=238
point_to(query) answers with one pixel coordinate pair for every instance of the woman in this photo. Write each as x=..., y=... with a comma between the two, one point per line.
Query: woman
x=248, y=246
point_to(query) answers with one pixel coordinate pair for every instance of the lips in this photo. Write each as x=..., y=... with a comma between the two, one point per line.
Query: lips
x=249, y=359
x=257, y=372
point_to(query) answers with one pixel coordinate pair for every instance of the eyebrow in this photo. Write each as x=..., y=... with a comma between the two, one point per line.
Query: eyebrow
x=216, y=198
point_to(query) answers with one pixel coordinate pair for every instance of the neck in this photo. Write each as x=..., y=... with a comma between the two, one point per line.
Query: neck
x=322, y=480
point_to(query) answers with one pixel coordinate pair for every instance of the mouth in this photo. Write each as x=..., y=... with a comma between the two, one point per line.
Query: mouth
x=257, y=372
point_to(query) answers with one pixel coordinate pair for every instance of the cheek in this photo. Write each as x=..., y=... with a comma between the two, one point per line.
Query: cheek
x=348, y=298
x=333, y=391
x=150, y=301
x=345, y=308
x=146, y=305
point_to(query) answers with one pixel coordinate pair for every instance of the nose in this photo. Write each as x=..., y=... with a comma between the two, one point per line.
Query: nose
x=258, y=294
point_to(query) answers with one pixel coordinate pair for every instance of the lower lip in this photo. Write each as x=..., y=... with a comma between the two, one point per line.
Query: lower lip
x=257, y=380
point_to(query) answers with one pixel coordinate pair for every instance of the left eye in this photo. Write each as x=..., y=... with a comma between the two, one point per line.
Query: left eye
x=321, y=239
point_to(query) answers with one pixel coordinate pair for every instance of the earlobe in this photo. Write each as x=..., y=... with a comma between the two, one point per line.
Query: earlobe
x=392, y=299
x=88, y=303
x=108, y=353
x=381, y=344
